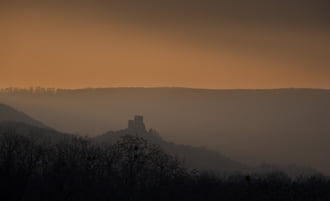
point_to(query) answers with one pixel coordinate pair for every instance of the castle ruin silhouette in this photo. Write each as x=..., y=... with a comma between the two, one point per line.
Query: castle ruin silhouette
x=136, y=124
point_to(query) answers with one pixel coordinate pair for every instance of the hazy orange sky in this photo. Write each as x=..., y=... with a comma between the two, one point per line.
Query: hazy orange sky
x=61, y=49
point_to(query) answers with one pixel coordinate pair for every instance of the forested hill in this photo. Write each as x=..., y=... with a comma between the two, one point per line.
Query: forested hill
x=278, y=126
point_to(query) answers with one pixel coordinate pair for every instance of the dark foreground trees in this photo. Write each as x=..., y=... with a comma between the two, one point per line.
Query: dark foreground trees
x=131, y=169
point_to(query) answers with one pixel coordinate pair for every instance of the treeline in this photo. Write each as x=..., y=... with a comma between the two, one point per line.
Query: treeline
x=49, y=90
x=35, y=169
x=31, y=90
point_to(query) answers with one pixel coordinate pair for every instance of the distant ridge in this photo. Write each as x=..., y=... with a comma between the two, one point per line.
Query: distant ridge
x=276, y=126
x=18, y=123
x=56, y=90
x=25, y=129
x=194, y=157
x=199, y=158
x=8, y=113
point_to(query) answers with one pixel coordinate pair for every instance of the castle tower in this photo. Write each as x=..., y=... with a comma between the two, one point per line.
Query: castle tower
x=136, y=124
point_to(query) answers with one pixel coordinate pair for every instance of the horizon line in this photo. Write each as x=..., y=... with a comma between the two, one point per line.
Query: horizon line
x=160, y=87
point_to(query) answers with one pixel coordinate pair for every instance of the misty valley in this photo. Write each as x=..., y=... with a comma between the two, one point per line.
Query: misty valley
x=135, y=162
x=164, y=100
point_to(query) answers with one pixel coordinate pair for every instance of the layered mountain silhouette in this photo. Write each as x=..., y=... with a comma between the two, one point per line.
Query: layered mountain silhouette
x=35, y=132
x=15, y=122
x=8, y=113
x=18, y=123
x=197, y=157
x=194, y=157
x=279, y=126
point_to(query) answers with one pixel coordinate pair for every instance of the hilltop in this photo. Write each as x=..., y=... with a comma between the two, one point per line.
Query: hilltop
x=277, y=126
